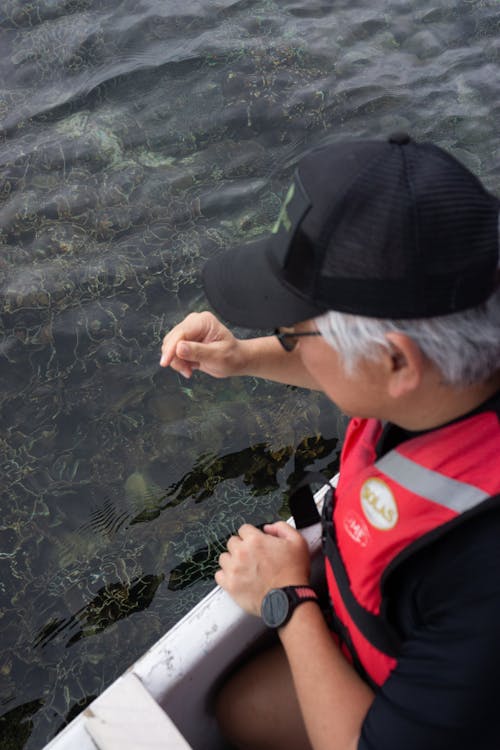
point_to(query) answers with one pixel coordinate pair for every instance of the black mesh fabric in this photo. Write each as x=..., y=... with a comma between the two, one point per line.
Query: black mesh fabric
x=371, y=224
x=411, y=233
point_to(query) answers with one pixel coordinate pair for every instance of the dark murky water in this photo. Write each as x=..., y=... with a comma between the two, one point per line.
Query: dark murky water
x=140, y=138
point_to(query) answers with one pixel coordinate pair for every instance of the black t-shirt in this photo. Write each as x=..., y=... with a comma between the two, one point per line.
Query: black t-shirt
x=445, y=601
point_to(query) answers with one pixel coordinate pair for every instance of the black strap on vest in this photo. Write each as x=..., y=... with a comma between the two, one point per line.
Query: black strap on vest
x=302, y=504
x=374, y=628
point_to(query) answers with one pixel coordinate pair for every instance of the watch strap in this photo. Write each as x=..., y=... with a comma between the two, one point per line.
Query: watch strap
x=299, y=594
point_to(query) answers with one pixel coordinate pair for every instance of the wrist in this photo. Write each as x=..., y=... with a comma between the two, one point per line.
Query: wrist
x=243, y=356
x=259, y=355
x=306, y=619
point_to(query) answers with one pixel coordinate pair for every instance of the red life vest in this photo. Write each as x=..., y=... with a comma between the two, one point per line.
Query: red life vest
x=384, y=509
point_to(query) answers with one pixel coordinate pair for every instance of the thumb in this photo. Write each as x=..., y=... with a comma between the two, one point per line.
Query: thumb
x=280, y=529
x=191, y=351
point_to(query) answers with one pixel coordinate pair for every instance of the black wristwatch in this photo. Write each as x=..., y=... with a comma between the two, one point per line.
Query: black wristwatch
x=278, y=605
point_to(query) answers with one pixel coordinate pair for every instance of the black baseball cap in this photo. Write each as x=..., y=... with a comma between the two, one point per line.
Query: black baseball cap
x=385, y=229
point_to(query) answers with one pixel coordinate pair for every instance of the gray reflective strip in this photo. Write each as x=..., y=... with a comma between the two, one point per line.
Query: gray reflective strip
x=451, y=493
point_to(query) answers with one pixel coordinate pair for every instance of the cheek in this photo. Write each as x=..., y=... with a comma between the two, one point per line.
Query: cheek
x=314, y=363
x=324, y=368
x=349, y=392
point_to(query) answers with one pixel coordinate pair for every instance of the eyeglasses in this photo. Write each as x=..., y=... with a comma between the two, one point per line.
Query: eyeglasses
x=288, y=337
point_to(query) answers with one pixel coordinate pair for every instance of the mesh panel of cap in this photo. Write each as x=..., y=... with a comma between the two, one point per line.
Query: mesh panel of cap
x=371, y=224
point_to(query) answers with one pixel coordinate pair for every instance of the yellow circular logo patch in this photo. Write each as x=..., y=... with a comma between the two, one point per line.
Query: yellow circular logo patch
x=378, y=504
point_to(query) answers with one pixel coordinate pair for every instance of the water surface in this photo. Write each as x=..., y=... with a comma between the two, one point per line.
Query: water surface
x=139, y=139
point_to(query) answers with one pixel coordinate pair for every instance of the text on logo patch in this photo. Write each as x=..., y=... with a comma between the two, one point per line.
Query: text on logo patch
x=356, y=528
x=378, y=504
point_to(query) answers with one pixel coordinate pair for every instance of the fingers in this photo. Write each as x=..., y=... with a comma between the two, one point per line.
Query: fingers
x=232, y=544
x=223, y=559
x=236, y=543
x=219, y=578
x=195, y=327
x=279, y=529
x=248, y=530
x=182, y=358
x=244, y=533
x=183, y=367
x=256, y=561
x=201, y=342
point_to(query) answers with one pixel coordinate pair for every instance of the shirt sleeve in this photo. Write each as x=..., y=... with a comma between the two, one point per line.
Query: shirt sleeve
x=443, y=693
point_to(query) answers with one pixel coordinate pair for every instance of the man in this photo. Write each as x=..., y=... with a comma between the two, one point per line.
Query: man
x=383, y=262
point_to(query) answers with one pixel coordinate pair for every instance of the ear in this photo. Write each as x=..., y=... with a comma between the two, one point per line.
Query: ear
x=405, y=364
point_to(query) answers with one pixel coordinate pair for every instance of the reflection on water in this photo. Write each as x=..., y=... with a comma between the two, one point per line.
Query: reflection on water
x=138, y=140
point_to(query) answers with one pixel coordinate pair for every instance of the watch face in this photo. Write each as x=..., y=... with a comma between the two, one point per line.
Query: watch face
x=275, y=608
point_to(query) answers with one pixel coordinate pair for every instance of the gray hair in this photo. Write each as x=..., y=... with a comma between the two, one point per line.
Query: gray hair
x=464, y=346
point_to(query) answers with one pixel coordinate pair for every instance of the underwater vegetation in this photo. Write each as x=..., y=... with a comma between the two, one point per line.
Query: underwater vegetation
x=136, y=142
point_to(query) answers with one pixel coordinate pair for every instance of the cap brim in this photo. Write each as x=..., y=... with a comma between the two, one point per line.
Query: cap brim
x=244, y=289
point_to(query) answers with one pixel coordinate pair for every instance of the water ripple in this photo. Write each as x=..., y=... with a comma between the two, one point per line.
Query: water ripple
x=139, y=139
